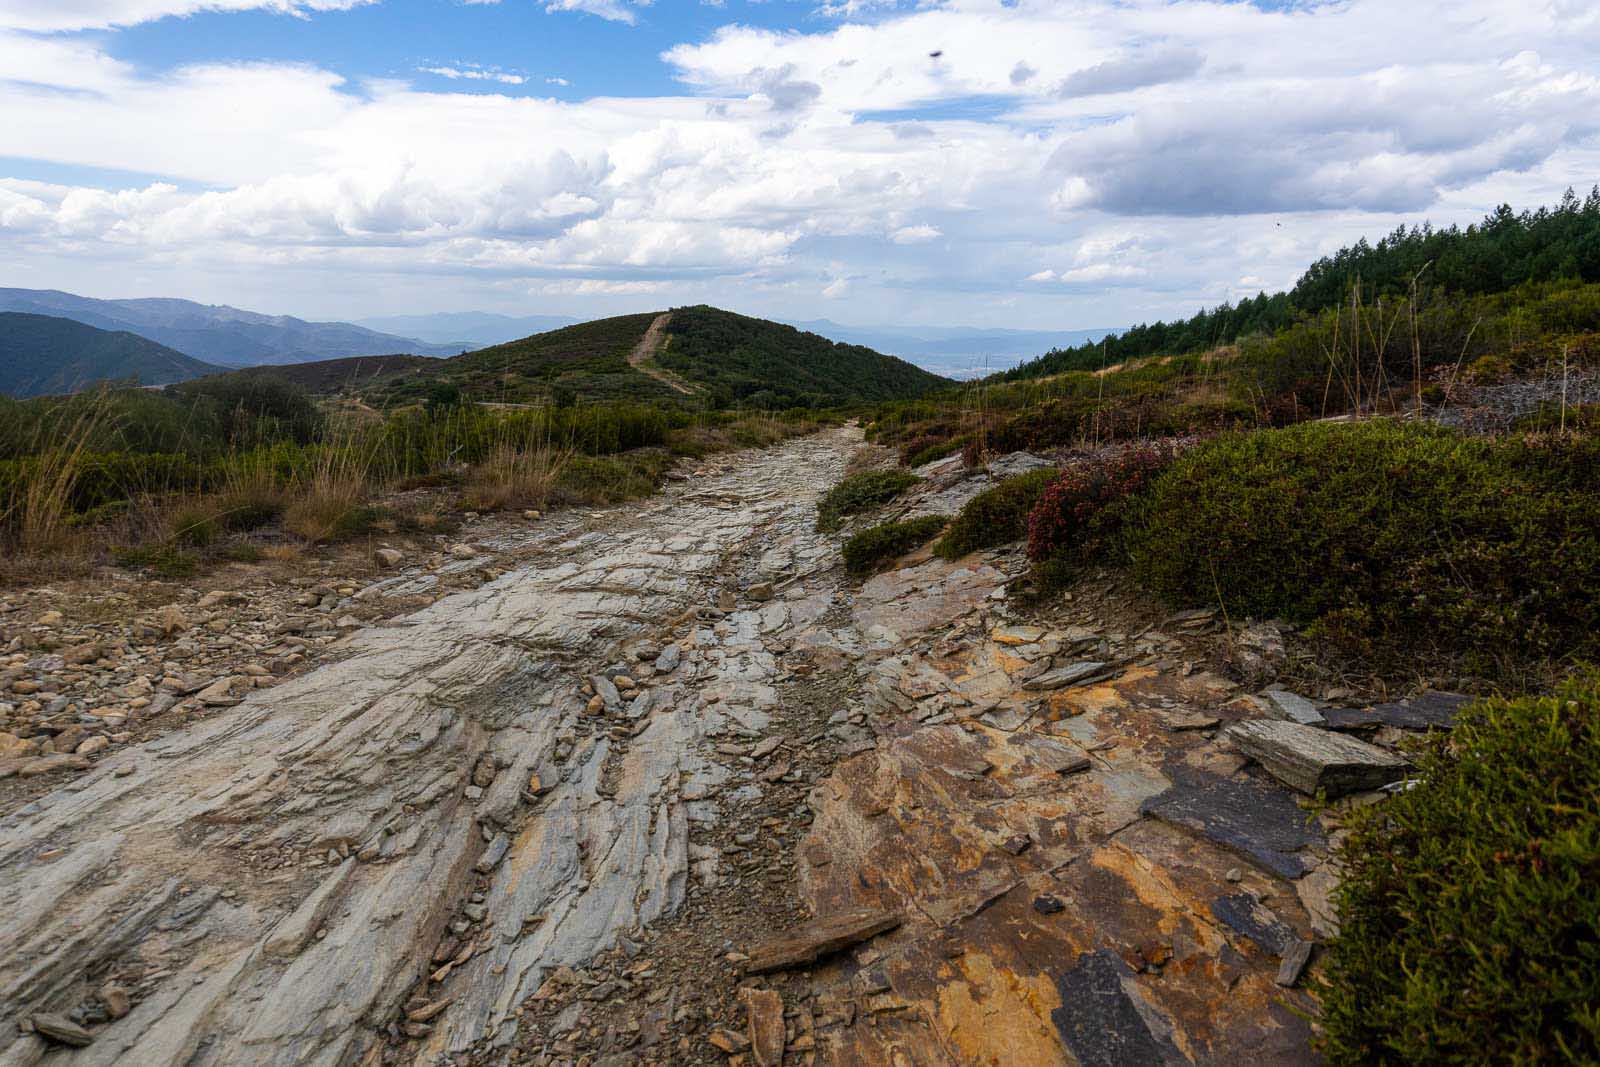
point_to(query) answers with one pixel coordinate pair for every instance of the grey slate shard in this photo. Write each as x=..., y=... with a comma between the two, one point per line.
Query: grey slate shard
x=1427, y=711
x=1250, y=817
x=1099, y=1019
x=1246, y=915
x=1072, y=674
x=1292, y=707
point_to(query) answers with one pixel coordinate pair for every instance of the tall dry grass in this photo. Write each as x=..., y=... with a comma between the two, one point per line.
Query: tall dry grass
x=520, y=470
x=327, y=499
x=36, y=503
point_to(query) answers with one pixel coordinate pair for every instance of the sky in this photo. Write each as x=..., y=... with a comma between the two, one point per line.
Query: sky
x=1043, y=165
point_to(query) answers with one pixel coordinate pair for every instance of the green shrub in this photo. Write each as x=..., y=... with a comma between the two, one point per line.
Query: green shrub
x=1469, y=921
x=996, y=516
x=869, y=549
x=163, y=559
x=858, y=492
x=1386, y=534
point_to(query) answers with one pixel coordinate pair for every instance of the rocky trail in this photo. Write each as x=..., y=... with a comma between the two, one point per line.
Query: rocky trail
x=672, y=790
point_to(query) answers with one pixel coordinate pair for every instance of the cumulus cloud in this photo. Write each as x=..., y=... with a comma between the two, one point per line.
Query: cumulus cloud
x=1142, y=151
x=1134, y=71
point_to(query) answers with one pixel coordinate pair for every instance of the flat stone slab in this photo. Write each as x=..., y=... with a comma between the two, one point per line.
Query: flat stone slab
x=1101, y=1021
x=1291, y=707
x=1427, y=711
x=822, y=937
x=1071, y=674
x=1315, y=761
x=1246, y=915
x=1249, y=817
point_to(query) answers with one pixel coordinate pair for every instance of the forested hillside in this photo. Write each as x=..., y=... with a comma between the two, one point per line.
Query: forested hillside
x=42, y=354
x=1506, y=250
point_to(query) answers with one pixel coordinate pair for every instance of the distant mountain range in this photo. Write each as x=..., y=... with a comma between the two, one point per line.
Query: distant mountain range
x=479, y=329
x=220, y=334
x=955, y=351
x=42, y=355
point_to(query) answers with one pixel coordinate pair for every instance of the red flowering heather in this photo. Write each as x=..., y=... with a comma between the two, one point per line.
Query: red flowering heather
x=1082, y=512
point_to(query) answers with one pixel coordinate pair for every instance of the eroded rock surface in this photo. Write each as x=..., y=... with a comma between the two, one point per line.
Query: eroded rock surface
x=675, y=791
x=277, y=884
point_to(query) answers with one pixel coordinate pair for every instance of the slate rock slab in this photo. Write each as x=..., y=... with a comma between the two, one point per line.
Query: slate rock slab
x=1427, y=711
x=822, y=937
x=1072, y=674
x=1292, y=707
x=1313, y=760
x=1101, y=1021
x=1250, y=817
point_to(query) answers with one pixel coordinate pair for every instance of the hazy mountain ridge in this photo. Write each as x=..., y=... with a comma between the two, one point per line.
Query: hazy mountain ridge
x=217, y=333
x=42, y=355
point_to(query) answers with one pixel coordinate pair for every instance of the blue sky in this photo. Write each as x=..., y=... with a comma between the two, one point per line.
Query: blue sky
x=1058, y=165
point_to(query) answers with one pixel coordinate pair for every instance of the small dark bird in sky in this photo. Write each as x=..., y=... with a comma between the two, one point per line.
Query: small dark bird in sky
x=936, y=53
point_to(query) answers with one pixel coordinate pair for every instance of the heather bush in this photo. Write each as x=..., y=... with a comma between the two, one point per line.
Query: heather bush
x=1469, y=924
x=1386, y=536
x=996, y=516
x=1082, y=514
x=872, y=547
x=859, y=492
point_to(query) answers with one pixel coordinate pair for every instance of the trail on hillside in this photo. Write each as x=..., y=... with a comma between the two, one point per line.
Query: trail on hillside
x=642, y=358
x=557, y=818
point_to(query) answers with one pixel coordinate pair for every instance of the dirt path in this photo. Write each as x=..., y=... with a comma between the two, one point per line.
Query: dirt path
x=642, y=358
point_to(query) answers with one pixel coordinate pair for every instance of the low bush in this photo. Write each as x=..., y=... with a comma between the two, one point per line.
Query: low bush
x=872, y=547
x=1469, y=925
x=996, y=516
x=610, y=479
x=1388, y=536
x=1082, y=514
x=858, y=492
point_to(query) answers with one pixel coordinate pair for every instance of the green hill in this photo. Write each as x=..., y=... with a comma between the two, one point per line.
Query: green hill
x=42, y=355
x=694, y=355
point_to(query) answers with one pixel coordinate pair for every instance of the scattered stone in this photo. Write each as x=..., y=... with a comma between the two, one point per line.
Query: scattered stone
x=493, y=854
x=729, y=1041
x=116, y=1000
x=1294, y=964
x=668, y=661
x=219, y=597
x=820, y=937
x=1258, y=651
x=760, y=592
x=1016, y=635
x=1315, y=761
x=1072, y=674
x=90, y=745
x=1291, y=707
x=764, y=1025
x=1048, y=904
x=60, y=1029
x=51, y=618
x=463, y=551
x=389, y=558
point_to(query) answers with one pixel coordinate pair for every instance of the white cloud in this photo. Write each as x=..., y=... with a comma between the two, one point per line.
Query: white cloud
x=614, y=10
x=476, y=73
x=55, y=15
x=915, y=235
